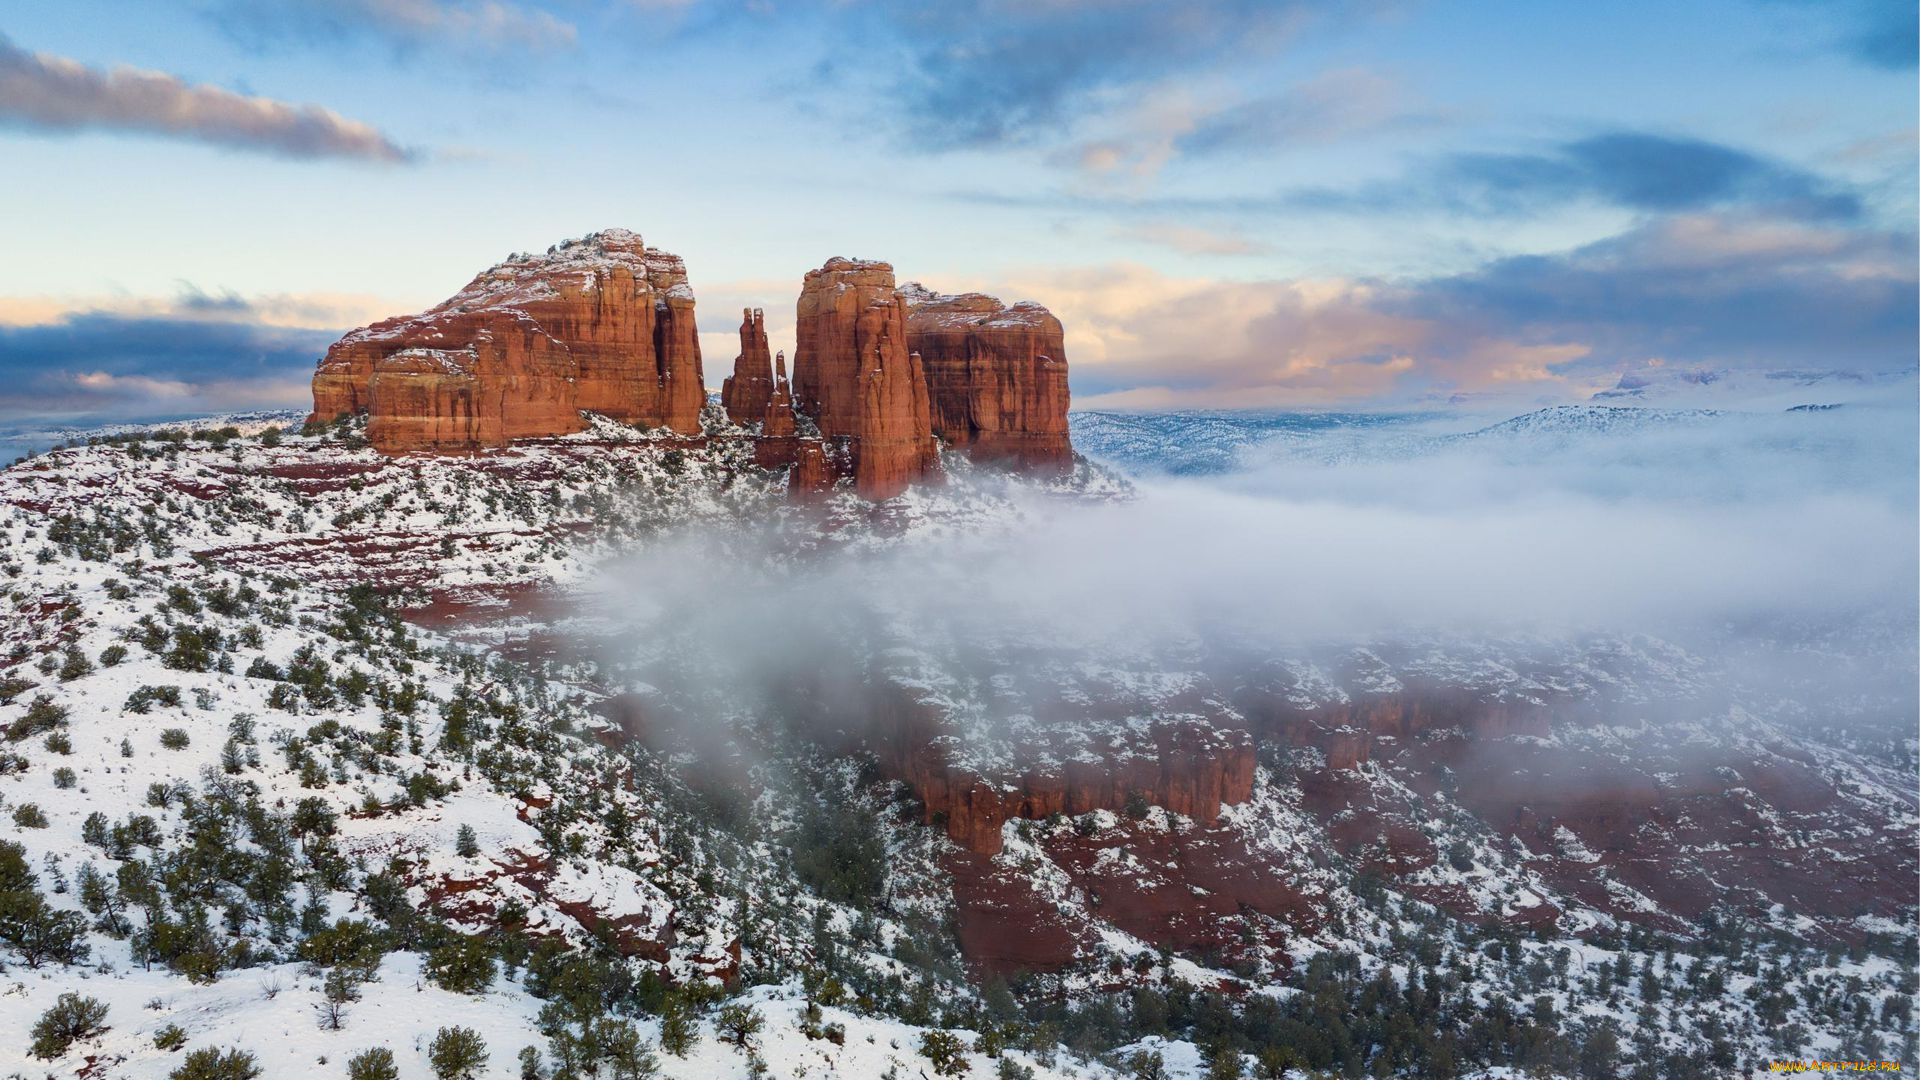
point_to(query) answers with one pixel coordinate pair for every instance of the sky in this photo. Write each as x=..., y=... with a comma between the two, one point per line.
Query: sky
x=1229, y=203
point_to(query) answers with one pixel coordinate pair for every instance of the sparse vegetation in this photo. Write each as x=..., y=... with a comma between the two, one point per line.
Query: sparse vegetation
x=71, y=1019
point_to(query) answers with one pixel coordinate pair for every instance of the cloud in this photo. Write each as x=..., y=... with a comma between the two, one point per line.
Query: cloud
x=995, y=72
x=1194, y=241
x=198, y=356
x=1632, y=170
x=1170, y=121
x=1878, y=33
x=316, y=311
x=485, y=26
x=1885, y=35
x=50, y=93
x=1327, y=108
x=1705, y=289
x=1702, y=290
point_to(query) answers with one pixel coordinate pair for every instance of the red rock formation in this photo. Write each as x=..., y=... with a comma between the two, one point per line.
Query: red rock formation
x=1189, y=768
x=778, y=420
x=996, y=376
x=779, y=445
x=1346, y=731
x=748, y=390
x=811, y=472
x=853, y=374
x=603, y=324
x=606, y=324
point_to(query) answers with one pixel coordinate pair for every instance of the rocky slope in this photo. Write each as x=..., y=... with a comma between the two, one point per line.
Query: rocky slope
x=684, y=755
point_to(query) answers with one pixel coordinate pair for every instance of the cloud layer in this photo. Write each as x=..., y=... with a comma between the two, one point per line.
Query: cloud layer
x=201, y=355
x=485, y=26
x=51, y=93
x=990, y=72
x=1690, y=290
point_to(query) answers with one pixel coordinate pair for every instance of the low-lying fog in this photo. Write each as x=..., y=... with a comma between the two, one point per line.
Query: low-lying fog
x=1793, y=530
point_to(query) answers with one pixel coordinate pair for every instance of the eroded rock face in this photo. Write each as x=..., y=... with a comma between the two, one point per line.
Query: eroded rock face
x=996, y=376
x=853, y=374
x=746, y=393
x=603, y=324
x=1189, y=769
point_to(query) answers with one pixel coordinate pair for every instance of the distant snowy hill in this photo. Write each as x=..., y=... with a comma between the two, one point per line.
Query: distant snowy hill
x=19, y=438
x=1201, y=443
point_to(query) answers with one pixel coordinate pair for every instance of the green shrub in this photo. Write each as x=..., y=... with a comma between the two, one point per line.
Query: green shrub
x=12, y=687
x=42, y=715
x=214, y=1064
x=374, y=1064
x=677, y=1029
x=29, y=816
x=143, y=699
x=112, y=655
x=738, y=1023
x=464, y=966
x=71, y=1019
x=171, y=1037
x=457, y=1053
x=64, y=778
x=60, y=743
x=74, y=664
x=175, y=738
x=945, y=1052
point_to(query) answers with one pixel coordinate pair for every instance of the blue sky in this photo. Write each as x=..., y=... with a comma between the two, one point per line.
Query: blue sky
x=1230, y=203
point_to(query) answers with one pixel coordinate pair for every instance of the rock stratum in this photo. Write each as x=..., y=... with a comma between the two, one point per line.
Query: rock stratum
x=882, y=374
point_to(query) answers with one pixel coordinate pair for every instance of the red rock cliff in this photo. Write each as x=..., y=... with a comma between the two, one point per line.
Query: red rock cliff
x=853, y=373
x=996, y=376
x=603, y=323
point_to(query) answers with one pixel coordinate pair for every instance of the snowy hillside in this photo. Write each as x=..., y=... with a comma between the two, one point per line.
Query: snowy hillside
x=311, y=752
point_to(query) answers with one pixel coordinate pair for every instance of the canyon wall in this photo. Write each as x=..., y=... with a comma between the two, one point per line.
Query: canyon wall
x=1189, y=765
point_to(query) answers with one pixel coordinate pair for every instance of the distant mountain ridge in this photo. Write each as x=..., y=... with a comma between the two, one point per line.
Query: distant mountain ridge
x=1212, y=443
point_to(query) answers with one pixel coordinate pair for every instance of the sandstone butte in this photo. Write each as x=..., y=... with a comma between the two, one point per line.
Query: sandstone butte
x=605, y=324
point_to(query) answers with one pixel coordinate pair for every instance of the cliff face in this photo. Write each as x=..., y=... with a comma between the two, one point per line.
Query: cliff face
x=996, y=376
x=853, y=374
x=1189, y=765
x=603, y=324
x=748, y=390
